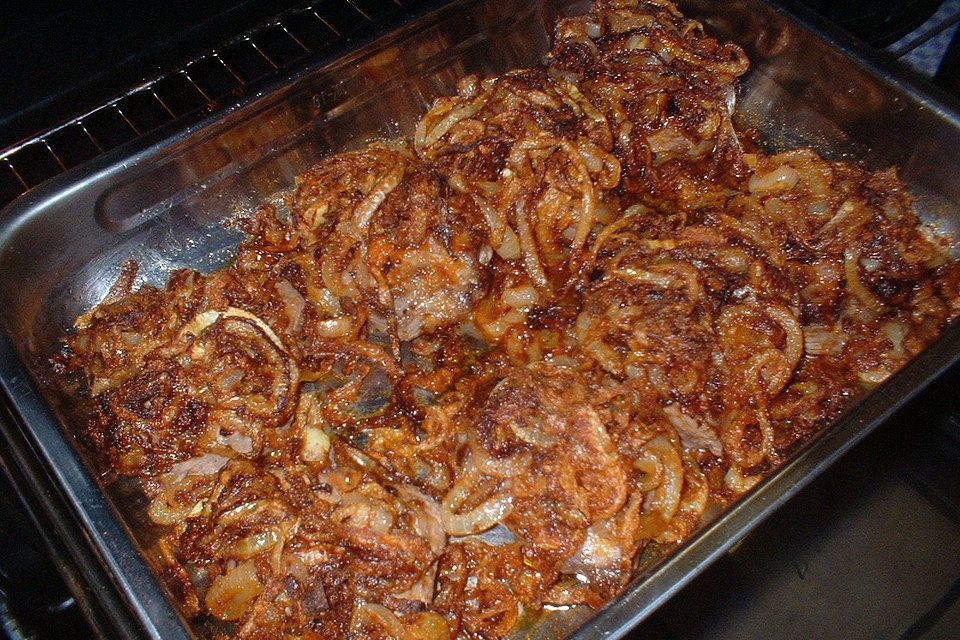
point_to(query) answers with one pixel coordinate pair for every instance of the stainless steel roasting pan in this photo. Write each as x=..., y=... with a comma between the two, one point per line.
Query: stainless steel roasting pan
x=161, y=200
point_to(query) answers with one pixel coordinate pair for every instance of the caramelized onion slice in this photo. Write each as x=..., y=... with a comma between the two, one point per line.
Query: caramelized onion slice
x=371, y=620
x=244, y=364
x=232, y=593
x=482, y=517
x=203, y=320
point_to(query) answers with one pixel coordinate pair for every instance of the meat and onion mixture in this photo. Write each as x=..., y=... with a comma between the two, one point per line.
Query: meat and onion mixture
x=476, y=372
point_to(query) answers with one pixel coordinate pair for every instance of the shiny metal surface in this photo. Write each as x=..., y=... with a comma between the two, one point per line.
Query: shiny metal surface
x=870, y=550
x=162, y=200
x=103, y=69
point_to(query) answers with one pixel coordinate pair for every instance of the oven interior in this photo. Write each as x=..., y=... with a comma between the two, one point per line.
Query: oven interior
x=785, y=571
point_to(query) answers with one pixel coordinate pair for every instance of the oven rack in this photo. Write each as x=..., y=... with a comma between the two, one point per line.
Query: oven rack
x=193, y=90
